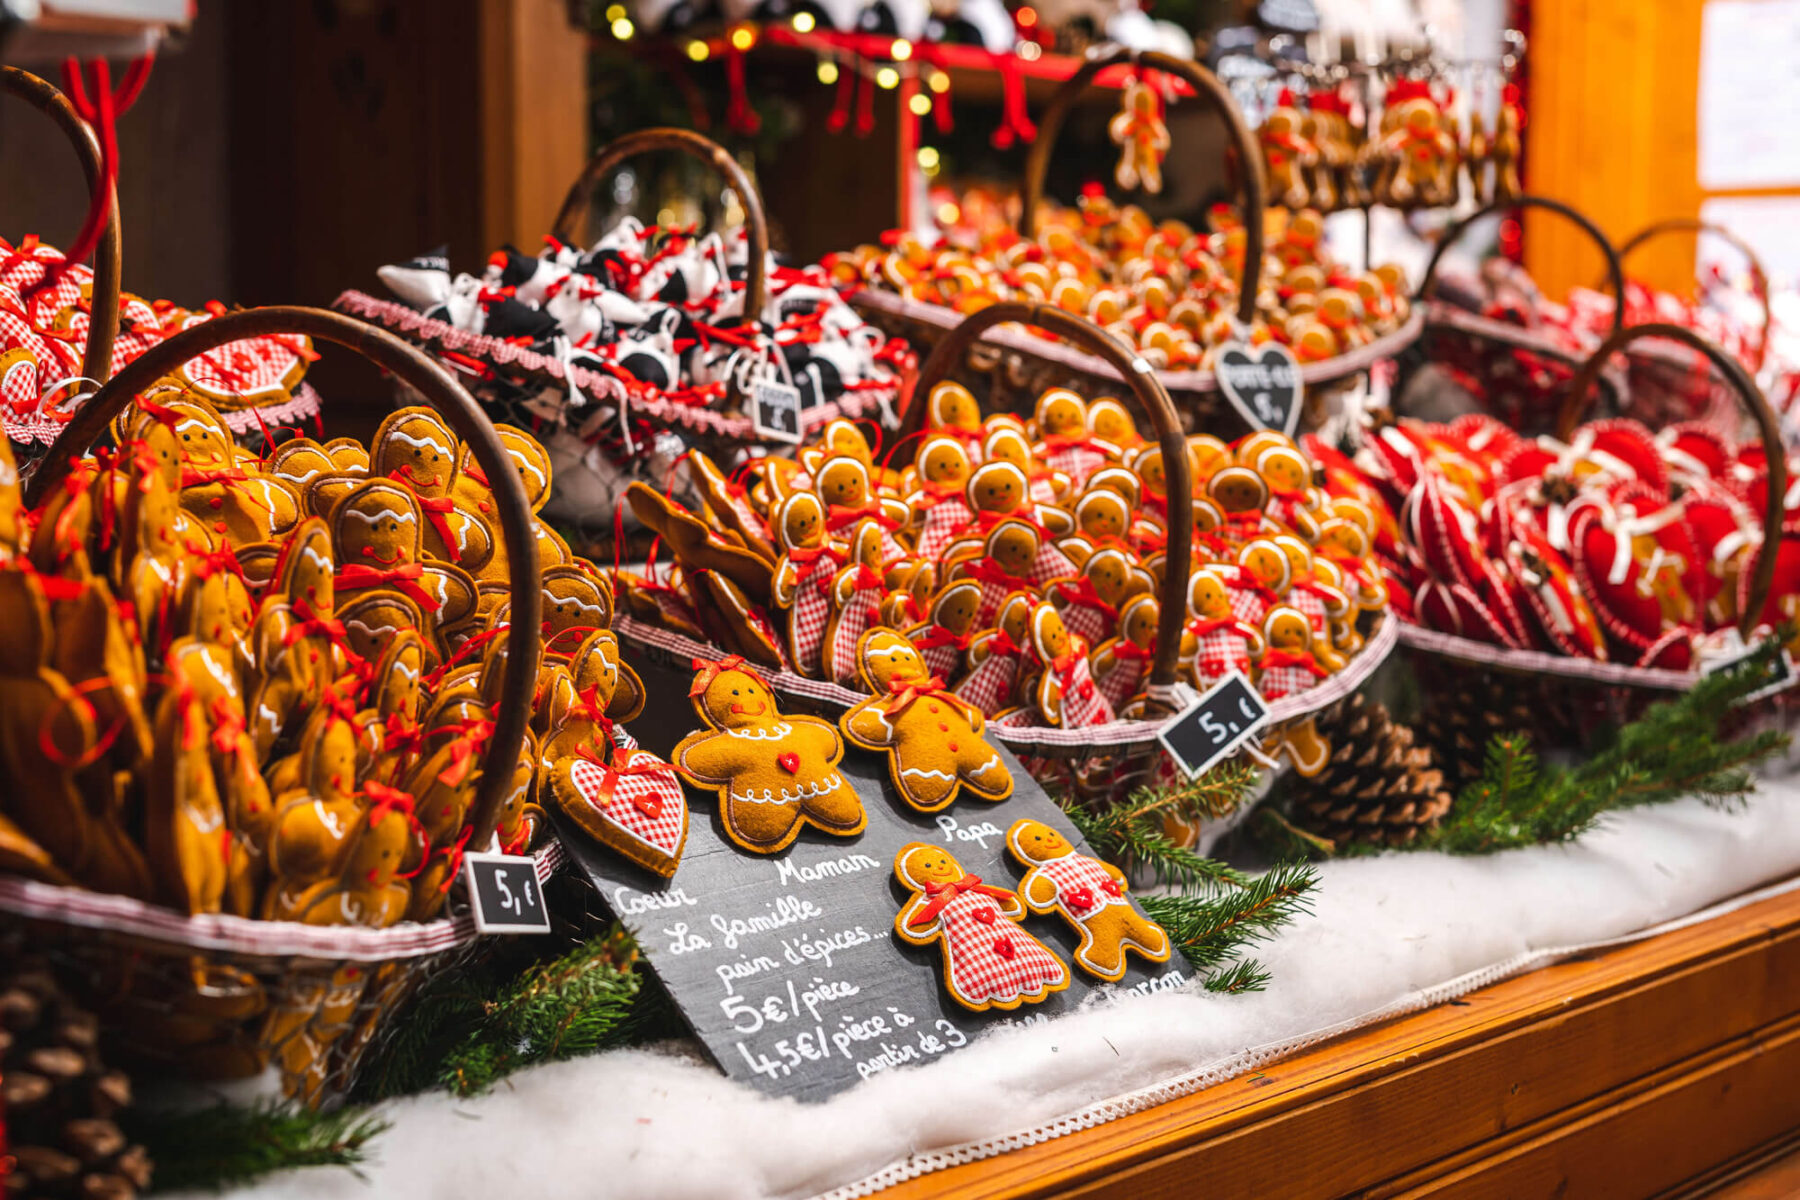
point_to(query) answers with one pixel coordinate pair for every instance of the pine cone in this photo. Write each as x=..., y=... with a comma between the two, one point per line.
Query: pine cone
x=1466, y=708
x=59, y=1099
x=1378, y=787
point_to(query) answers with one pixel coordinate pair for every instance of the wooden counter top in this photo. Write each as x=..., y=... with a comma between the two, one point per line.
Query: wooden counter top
x=1640, y=1071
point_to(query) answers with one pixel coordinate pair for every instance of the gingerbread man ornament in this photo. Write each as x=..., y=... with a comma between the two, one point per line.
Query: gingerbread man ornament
x=989, y=962
x=934, y=740
x=774, y=773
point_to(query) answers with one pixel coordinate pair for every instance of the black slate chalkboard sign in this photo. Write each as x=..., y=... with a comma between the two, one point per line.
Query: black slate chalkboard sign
x=1220, y=721
x=505, y=894
x=787, y=966
x=1264, y=384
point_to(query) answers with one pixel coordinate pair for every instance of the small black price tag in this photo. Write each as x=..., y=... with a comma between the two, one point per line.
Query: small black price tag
x=775, y=409
x=1783, y=678
x=1214, y=725
x=504, y=892
x=1263, y=385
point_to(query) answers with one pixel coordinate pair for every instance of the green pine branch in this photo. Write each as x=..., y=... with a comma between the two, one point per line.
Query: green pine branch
x=1131, y=835
x=215, y=1148
x=1679, y=747
x=1211, y=931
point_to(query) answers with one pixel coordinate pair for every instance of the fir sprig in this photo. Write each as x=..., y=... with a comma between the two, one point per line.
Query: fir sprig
x=1132, y=835
x=472, y=1028
x=1678, y=748
x=1210, y=931
x=226, y=1146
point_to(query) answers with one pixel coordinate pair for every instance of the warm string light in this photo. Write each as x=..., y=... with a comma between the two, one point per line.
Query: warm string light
x=828, y=71
x=928, y=159
x=742, y=38
x=623, y=29
x=937, y=81
x=887, y=78
x=804, y=22
x=901, y=50
x=920, y=104
x=697, y=51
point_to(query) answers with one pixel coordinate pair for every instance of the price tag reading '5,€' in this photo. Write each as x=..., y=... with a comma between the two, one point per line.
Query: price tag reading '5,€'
x=505, y=895
x=1214, y=725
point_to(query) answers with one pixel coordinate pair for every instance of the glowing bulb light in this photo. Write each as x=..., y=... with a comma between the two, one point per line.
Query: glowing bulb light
x=920, y=105
x=928, y=158
x=742, y=39
x=697, y=51
x=828, y=72
x=901, y=50
x=887, y=77
x=937, y=81
x=623, y=29
x=804, y=22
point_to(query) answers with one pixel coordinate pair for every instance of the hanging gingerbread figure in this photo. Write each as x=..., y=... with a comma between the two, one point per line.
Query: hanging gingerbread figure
x=989, y=962
x=1142, y=136
x=1087, y=893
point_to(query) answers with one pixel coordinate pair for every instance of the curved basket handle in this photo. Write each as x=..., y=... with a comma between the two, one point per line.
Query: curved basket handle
x=454, y=404
x=1615, y=274
x=103, y=314
x=1576, y=401
x=1204, y=83
x=1151, y=397
x=1759, y=278
x=569, y=218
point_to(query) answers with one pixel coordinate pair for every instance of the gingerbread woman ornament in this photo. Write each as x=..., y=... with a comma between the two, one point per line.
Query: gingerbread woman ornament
x=989, y=962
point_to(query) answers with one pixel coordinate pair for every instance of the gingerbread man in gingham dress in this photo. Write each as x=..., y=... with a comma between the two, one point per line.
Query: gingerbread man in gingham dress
x=1222, y=641
x=1087, y=893
x=989, y=962
x=1288, y=665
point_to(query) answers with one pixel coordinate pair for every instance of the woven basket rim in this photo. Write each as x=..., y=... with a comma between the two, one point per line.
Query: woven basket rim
x=432, y=334
x=1537, y=662
x=1114, y=735
x=1201, y=382
x=79, y=907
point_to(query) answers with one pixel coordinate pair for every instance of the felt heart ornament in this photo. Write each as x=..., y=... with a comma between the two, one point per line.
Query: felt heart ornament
x=1485, y=436
x=1724, y=532
x=1633, y=583
x=1561, y=613
x=1673, y=651
x=1264, y=386
x=789, y=762
x=1456, y=609
x=1755, y=493
x=1528, y=460
x=1445, y=533
x=1784, y=592
x=1623, y=440
x=1693, y=451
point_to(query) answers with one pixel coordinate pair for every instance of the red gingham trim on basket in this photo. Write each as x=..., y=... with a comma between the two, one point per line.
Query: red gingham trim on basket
x=681, y=651
x=304, y=405
x=241, y=935
x=1016, y=337
x=434, y=335
x=1536, y=662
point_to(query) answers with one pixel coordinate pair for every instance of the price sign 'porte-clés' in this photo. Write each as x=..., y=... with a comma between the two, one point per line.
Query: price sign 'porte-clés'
x=1263, y=384
x=1214, y=725
x=505, y=895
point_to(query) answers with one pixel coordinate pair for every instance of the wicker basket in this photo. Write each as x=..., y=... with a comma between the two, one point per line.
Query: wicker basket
x=1013, y=366
x=1575, y=699
x=1517, y=374
x=33, y=432
x=219, y=997
x=1675, y=383
x=721, y=431
x=1098, y=761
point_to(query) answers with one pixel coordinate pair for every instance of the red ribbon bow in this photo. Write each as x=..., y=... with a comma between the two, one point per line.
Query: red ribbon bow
x=709, y=671
x=1293, y=658
x=1082, y=591
x=403, y=578
x=621, y=765
x=471, y=735
x=941, y=894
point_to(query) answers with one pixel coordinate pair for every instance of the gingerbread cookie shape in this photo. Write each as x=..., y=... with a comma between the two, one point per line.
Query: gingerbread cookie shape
x=1087, y=893
x=773, y=773
x=934, y=740
x=989, y=962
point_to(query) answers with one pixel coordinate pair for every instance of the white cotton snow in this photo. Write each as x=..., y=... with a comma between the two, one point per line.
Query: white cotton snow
x=663, y=1123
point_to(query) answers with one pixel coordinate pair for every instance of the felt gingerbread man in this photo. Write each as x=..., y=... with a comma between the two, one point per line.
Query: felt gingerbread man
x=1121, y=664
x=989, y=961
x=1221, y=641
x=1289, y=157
x=934, y=740
x=414, y=447
x=1066, y=696
x=1064, y=443
x=804, y=573
x=1090, y=895
x=369, y=889
x=953, y=411
x=943, y=468
x=943, y=638
x=1004, y=566
x=1005, y=442
x=1288, y=665
x=998, y=656
x=774, y=773
x=856, y=594
x=1089, y=603
x=843, y=483
x=1142, y=137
